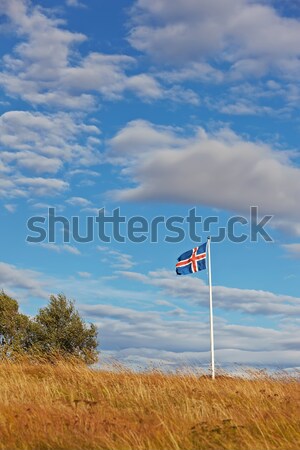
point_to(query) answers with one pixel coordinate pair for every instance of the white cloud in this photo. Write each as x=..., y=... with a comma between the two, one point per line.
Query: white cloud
x=219, y=169
x=132, y=139
x=28, y=283
x=84, y=274
x=14, y=278
x=41, y=187
x=75, y=3
x=195, y=71
x=44, y=68
x=193, y=290
x=49, y=135
x=251, y=37
x=129, y=333
x=117, y=259
x=179, y=95
x=243, y=107
x=145, y=86
x=61, y=248
x=232, y=360
x=10, y=207
x=147, y=333
x=78, y=201
x=292, y=249
x=257, y=98
x=84, y=172
x=43, y=144
x=37, y=163
x=45, y=206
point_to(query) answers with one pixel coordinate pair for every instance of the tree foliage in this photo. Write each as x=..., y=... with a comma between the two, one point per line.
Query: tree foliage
x=57, y=329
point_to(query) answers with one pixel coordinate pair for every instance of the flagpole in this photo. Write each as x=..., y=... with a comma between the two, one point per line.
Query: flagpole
x=212, y=350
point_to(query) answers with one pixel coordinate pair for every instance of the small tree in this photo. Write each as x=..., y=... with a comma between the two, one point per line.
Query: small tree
x=63, y=331
x=17, y=331
x=58, y=329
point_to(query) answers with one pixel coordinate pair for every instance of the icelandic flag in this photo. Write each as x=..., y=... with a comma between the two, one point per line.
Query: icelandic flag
x=192, y=261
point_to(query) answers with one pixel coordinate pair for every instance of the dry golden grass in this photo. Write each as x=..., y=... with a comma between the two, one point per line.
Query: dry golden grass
x=65, y=406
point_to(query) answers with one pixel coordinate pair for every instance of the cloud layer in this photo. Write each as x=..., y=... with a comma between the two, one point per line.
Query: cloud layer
x=195, y=292
x=146, y=337
x=158, y=332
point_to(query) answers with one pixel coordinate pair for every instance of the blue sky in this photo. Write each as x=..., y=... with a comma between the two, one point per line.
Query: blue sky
x=155, y=107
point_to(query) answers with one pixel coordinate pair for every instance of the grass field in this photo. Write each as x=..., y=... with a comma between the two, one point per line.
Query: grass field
x=72, y=407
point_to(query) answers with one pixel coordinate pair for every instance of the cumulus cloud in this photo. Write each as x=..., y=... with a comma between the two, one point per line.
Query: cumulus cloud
x=44, y=68
x=205, y=42
x=41, y=145
x=219, y=169
x=51, y=135
x=250, y=36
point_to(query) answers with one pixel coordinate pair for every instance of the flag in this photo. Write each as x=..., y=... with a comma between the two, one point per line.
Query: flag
x=192, y=261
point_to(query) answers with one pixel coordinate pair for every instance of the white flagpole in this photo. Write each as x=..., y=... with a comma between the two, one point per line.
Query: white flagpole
x=212, y=350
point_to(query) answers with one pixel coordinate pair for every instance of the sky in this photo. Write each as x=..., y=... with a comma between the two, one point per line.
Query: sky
x=154, y=108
